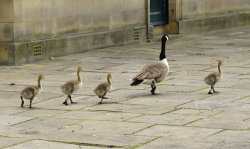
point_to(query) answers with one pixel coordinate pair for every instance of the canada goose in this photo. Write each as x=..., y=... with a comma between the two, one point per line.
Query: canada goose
x=156, y=72
x=214, y=77
x=72, y=86
x=30, y=92
x=102, y=89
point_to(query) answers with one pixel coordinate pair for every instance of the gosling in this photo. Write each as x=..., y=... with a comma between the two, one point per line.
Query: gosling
x=72, y=86
x=102, y=89
x=214, y=78
x=30, y=92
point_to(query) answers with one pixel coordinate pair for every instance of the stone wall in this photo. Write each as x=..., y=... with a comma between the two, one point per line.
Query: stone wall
x=196, y=16
x=31, y=30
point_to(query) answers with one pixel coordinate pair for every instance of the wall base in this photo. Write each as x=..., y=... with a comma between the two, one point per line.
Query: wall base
x=202, y=25
x=26, y=52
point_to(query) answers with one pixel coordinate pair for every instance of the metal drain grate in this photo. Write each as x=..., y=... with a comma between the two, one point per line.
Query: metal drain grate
x=37, y=50
x=136, y=34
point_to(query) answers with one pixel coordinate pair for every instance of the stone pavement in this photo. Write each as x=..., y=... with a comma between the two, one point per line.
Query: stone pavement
x=181, y=116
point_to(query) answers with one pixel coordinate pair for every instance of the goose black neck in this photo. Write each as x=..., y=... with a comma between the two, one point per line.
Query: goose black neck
x=163, y=54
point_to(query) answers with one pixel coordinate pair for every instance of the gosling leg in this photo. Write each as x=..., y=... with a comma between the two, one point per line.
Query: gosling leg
x=31, y=102
x=65, y=102
x=72, y=102
x=101, y=101
x=102, y=97
x=210, y=91
x=22, y=101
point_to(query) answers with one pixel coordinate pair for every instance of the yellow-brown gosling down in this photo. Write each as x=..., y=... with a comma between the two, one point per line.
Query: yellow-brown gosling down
x=30, y=92
x=102, y=89
x=214, y=78
x=72, y=86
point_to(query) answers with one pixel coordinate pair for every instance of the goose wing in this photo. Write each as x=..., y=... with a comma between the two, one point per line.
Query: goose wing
x=151, y=71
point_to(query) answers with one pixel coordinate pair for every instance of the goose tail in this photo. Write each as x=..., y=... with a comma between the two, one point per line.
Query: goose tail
x=136, y=82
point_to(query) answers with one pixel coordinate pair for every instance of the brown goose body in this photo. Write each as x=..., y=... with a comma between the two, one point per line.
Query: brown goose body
x=157, y=71
x=214, y=78
x=30, y=92
x=72, y=86
x=103, y=88
x=154, y=73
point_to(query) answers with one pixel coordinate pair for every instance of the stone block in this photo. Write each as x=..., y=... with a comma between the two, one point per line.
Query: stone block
x=37, y=10
x=6, y=32
x=80, y=43
x=101, y=40
x=63, y=8
x=6, y=11
x=7, y=54
x=65, y=26
x=119, y=37
x=18, y=10
x=86, y=23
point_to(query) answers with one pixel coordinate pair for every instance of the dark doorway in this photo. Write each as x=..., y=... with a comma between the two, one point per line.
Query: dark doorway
x=159, y=12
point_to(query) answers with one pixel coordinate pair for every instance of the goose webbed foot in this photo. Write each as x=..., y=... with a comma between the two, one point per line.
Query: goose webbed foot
x=22, y=101
x=210, y=92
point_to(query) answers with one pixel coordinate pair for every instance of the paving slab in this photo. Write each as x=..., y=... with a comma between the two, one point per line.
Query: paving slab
x=40, y=144
x=163, y=143
x=130, y=108
x=8, y=120
x=9, y=141
x=104, y=127
x=168, y=119
x=97, y=115
x=177, y=132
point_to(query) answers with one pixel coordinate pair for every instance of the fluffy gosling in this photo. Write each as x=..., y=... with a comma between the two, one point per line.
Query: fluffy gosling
x=102, y=89
x=30, y=92
x=72, y=86
x=214, y=78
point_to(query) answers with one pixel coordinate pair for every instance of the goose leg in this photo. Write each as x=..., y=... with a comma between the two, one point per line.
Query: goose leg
x=22, y=101
x=153, y=88
x=210, y=91
x=72, y=102
x=65, y=102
